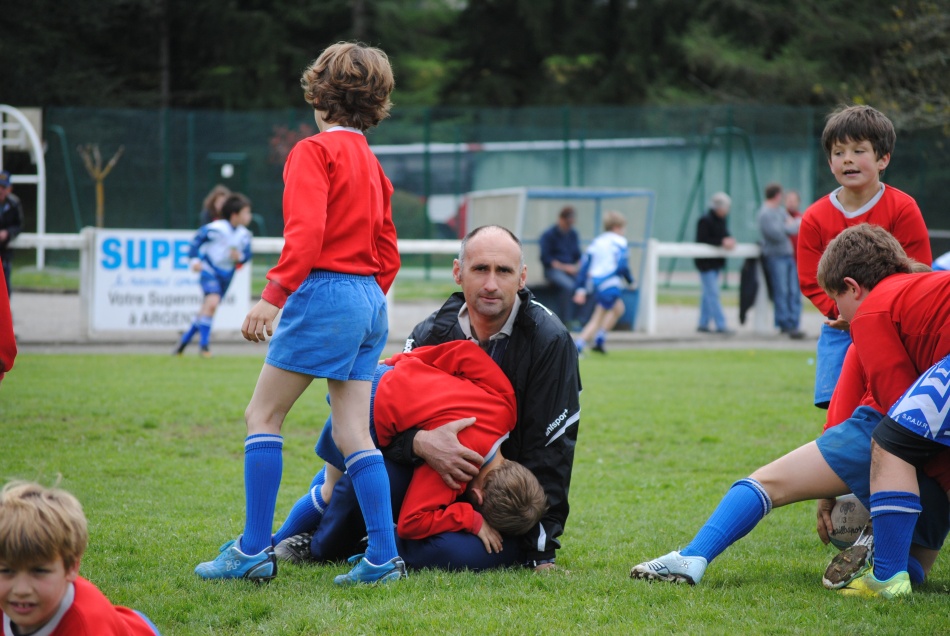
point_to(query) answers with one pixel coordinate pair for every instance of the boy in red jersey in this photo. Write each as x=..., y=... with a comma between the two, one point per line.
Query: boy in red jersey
x=900, y=325
x=858, y=142
x=339, y=260
x=426, y=388
x=43, y=535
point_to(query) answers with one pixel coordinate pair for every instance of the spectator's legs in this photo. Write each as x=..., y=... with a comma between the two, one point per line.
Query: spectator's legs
x=710, y=305
x=563, y=284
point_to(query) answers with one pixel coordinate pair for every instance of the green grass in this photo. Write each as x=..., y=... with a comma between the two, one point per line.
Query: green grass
x=152, y=446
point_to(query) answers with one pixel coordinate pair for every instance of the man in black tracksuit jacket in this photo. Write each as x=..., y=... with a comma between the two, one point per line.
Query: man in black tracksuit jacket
x=540, y=358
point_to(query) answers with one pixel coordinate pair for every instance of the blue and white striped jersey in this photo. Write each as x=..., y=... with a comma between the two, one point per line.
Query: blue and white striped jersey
x=213, y=243
x=605, y=263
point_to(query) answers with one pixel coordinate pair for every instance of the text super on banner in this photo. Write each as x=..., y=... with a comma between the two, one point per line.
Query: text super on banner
x=142, y=281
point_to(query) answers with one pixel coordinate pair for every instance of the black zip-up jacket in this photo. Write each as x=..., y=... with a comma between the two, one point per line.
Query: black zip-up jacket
x=541, y=361
x=711, y=228
x=11, y=220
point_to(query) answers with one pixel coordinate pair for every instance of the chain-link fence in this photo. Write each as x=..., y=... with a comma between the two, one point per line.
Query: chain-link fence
x=684, y=154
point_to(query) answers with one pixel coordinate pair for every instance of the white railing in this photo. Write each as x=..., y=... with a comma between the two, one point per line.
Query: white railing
x=648, y=285
x=650, y=282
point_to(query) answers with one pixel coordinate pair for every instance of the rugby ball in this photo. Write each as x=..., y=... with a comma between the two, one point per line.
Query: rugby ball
x=848, y=518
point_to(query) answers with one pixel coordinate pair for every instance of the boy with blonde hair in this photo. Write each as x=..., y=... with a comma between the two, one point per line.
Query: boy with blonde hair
x=858, y=143
x=43, y=535
x=602, y=271
x=900, y=325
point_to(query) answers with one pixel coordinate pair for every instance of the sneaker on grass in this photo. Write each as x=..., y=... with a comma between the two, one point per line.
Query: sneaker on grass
x=672, y=567
x=231, y=563
x=851, y=562
x=365, y=572
x=868, y=586
x=295, y=549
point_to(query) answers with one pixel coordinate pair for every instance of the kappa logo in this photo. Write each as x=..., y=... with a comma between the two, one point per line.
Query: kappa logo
x=410, y=343
x=557, y=422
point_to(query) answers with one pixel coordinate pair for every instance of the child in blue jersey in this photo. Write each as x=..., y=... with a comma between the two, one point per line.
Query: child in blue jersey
x=603, y=270
x=217, y=251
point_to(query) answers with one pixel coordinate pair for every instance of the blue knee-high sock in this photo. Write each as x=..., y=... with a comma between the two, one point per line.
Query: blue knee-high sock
x=192, y=330
x=307, y=513
x=601, y=338
x=894, y=514
x=737, y=513
x=371, y=484
x=263, y=468
x=204, y=328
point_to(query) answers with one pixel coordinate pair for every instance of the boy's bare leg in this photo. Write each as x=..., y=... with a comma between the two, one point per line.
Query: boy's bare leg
x=275, y=393
x=800, y=475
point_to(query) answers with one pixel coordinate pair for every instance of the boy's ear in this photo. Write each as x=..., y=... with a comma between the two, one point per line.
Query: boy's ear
x=478, y=496
x=73, y=573
x=883, y=162
x=855, y=288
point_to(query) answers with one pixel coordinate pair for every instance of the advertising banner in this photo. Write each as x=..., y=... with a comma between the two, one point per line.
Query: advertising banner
x=142, y=282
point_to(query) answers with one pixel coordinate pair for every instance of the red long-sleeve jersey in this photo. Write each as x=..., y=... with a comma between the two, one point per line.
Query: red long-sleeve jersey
x=896, y=212
x=900, y=330
x=337, y=214
x=430, y=387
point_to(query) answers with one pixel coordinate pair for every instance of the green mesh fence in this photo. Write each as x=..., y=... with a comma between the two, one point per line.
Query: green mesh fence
x=172, y=158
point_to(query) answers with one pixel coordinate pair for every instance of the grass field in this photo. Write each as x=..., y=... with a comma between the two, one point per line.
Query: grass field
x=153, y=448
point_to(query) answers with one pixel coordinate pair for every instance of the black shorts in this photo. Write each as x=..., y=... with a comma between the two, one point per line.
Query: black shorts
x=905, y=444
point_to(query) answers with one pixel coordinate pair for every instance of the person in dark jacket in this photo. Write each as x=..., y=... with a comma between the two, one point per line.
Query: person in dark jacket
x=712, y=230
x=11, y=223
x=536, y=352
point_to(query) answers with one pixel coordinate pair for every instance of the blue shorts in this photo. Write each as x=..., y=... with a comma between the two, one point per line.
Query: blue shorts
x=923, y=409
x=326, y=449
x=334, y=326
x=832, y=345
x=608, y=297
x=847, y=449
x=215, y=283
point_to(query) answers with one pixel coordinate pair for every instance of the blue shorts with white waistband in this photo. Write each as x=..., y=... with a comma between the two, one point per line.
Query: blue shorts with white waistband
x=334, y=326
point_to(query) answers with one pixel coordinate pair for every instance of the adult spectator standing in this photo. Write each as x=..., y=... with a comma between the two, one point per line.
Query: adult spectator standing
x=561, y=255
x=538, y=355
x=793, y=204
x=11, y=224
x=776, y=226
x=713, y=230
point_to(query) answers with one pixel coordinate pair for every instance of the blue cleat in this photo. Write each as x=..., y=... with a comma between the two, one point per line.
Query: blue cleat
x=234, y=564
x=366, y=572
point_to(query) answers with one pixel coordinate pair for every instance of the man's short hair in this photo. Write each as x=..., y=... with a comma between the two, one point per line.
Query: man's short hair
x=567, y=212
x=773, y=190
x=39, y=525
x=867, y=253
x=481, y=229
x=859, y=123
x=720, y=200
x=513, y=500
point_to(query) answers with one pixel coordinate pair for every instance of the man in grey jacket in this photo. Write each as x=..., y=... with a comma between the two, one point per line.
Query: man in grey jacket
x=776, y=226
